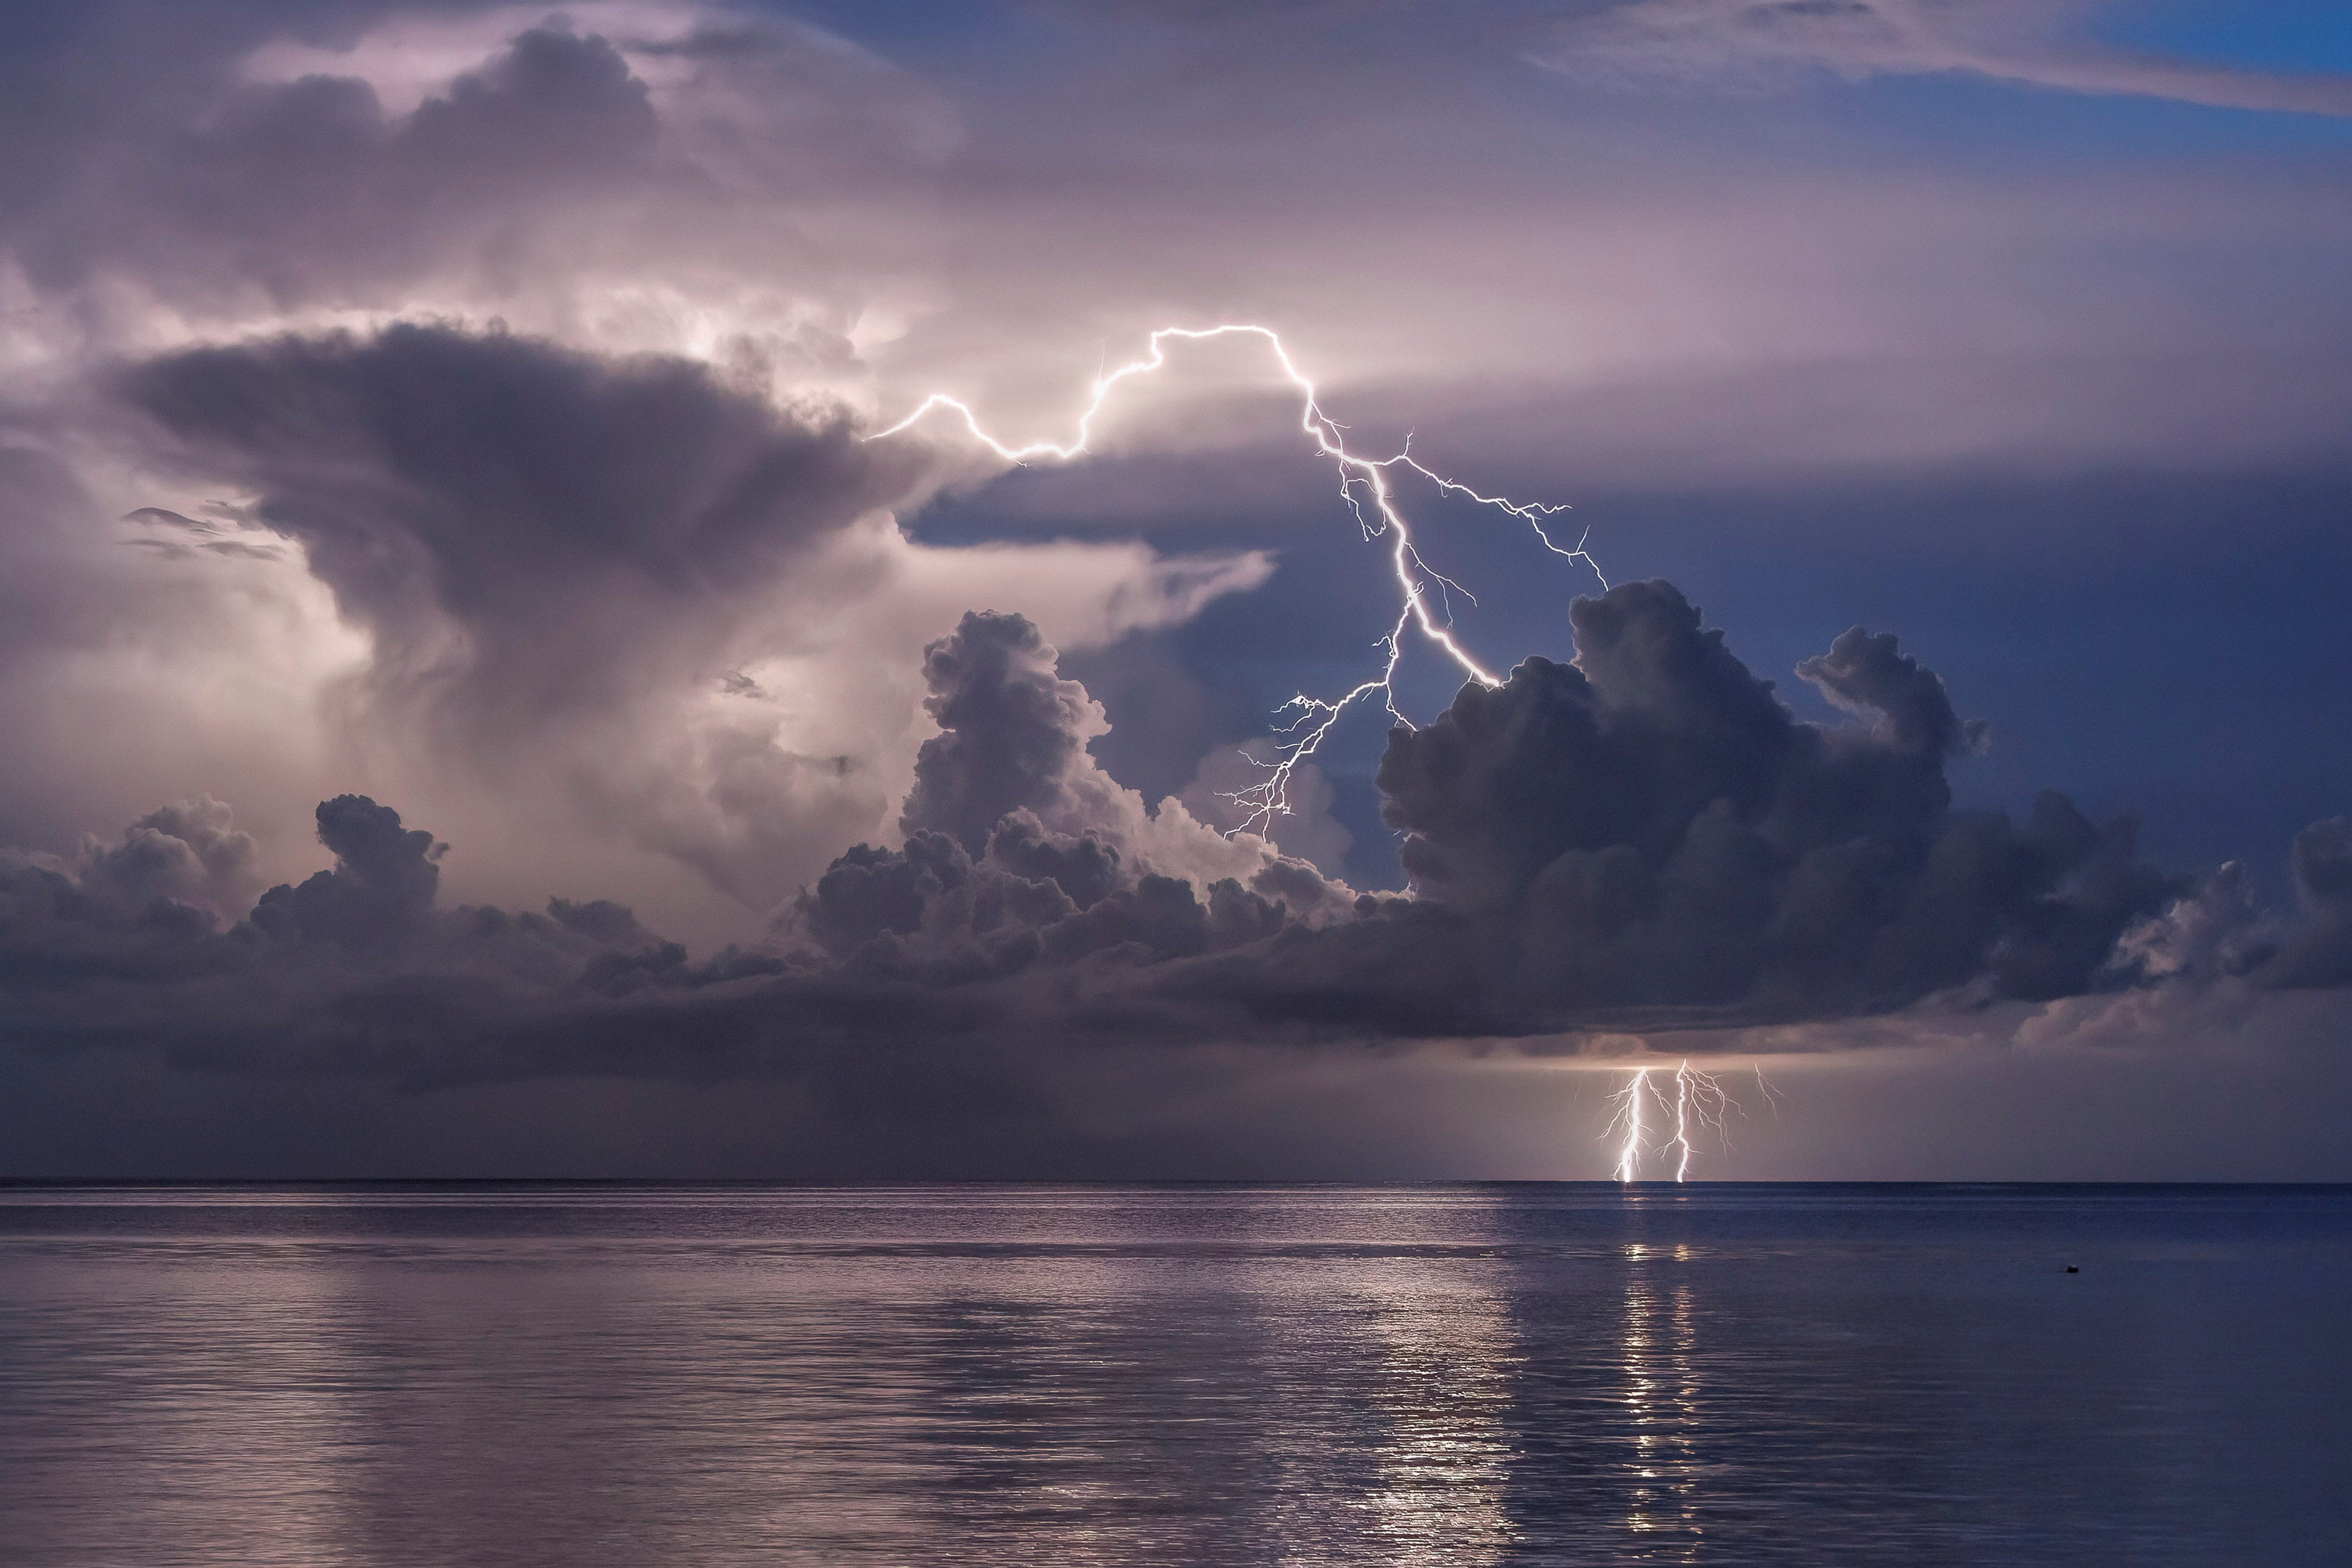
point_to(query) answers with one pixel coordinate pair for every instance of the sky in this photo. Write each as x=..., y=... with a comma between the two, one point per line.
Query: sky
x=495, y=683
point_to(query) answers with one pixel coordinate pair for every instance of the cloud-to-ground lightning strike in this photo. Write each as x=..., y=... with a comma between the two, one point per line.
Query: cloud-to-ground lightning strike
x=1699, y=1098
x=1360, y=478
x=1628, y=1101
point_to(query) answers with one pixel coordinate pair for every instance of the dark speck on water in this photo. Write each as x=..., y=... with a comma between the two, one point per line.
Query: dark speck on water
x=585, y=1375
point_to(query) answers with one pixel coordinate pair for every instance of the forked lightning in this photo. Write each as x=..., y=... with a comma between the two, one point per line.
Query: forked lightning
x=1361, y=479
x=1698, y=1103
x=1698, y=1099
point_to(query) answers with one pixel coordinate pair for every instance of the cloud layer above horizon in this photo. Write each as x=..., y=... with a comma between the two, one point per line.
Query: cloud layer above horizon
x=440, y=435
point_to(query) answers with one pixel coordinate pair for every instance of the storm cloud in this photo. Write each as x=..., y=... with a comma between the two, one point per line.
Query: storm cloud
x=567, y=516
x=1645, y=836
x=447, y=433
x=563, y=560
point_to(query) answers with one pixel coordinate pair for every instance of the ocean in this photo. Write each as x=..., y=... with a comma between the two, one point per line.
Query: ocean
x=586, y=1374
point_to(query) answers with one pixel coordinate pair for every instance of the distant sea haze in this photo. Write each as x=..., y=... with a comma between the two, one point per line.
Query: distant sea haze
x=596, y=1374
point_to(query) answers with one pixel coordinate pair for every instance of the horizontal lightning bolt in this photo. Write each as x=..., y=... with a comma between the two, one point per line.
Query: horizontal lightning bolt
x=1362, y=478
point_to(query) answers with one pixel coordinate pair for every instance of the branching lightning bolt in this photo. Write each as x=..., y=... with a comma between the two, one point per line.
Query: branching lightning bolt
x=1363, y=480
x=1628, y=1101
x=1699, y=1101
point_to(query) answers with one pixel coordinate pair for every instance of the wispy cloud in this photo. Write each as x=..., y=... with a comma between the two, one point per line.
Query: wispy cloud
x=1759, y=45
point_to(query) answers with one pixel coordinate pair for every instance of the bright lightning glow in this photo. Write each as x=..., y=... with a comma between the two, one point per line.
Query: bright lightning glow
x=1698, y=1097
x=1699, y=1100
x=1628, y=1101
x=1361, y=479
x=1680, y=1141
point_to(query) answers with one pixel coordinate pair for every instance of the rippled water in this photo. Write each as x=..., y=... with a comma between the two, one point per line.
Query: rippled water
x=591, y=1376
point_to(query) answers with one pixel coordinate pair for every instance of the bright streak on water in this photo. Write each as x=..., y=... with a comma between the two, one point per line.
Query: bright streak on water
x=1194, y=1375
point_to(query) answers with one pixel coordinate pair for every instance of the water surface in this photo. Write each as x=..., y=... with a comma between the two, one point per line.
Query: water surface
x=591, y=1374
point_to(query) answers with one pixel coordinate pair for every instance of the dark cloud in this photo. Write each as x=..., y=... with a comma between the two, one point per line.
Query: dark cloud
x=1650, y=834
x=554, y=555
x=1868, y=675
x=379, y=891
x=244, y=161
x=1647, y=836
x=985, y=889
x=604, y=610
x=558, y=556
x=1012, y=731
x=190, y=853
x=353, y=971
x=309, y=189
x=2218, y=931
x=2319, y=951
x=553, y=106
x=134, y=911
x=1086, y=867
x=563, y=510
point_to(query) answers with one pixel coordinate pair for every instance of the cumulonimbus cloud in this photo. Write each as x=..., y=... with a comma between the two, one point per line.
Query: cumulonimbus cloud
x=599, y=601
x=560, y=558
x=1646, y=837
